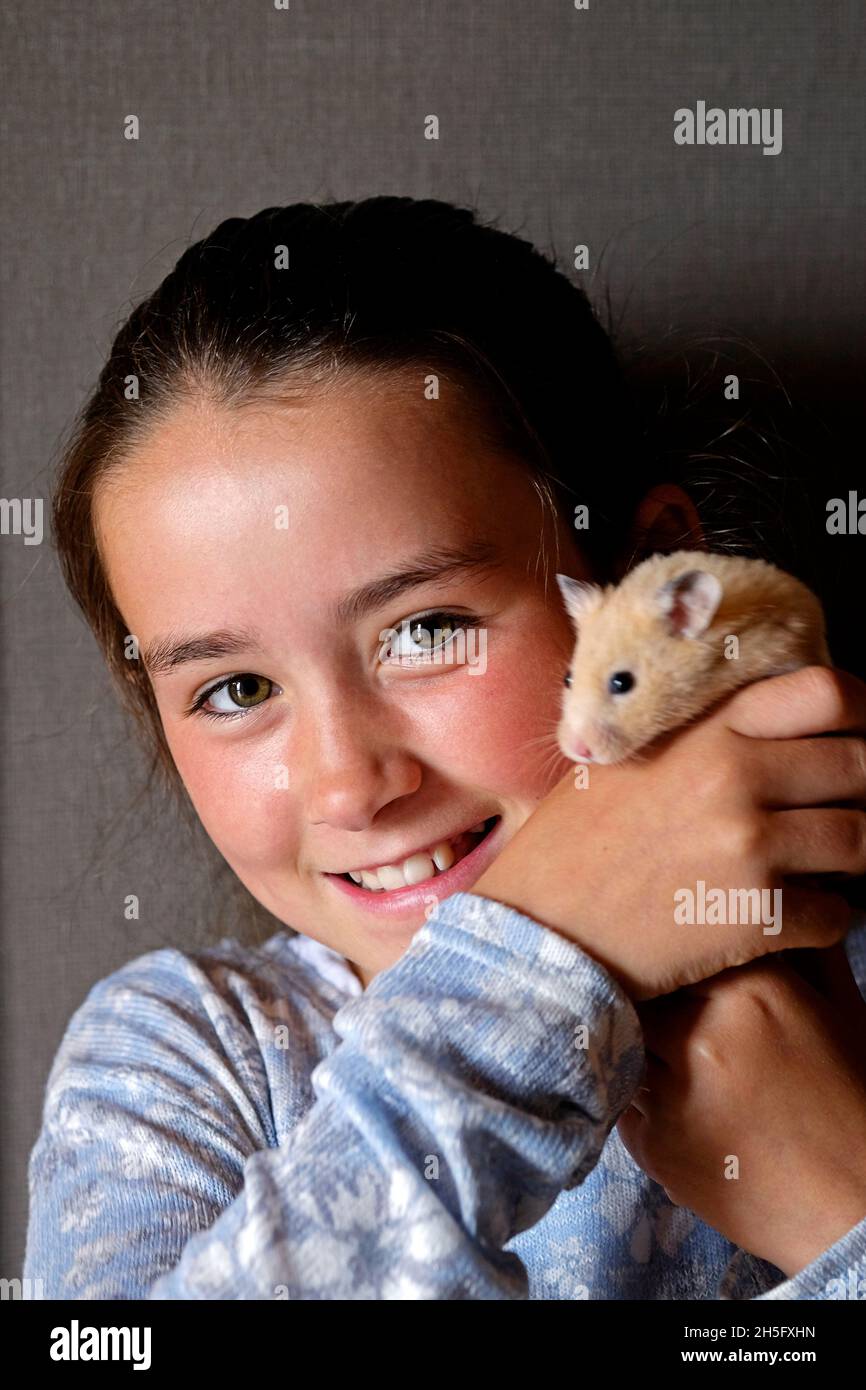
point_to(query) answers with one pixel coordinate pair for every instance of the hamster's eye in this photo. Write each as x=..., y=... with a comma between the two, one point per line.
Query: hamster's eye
x=620, y=682
x=567, y=681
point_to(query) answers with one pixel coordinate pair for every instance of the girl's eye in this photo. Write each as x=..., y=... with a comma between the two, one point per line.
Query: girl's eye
x=242, y=692
x=429, y=633
x=416, y=640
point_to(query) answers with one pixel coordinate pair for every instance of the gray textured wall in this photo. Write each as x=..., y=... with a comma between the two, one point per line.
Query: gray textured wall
x=557, y=121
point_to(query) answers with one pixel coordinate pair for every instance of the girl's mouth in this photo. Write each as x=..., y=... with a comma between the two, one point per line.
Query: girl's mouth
x=450, y=867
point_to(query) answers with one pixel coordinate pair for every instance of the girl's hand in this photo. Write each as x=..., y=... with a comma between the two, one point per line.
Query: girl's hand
x=742, y=799
x=753, y=1109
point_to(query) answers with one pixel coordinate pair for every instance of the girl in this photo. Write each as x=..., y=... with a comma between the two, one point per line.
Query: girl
x=313, y=512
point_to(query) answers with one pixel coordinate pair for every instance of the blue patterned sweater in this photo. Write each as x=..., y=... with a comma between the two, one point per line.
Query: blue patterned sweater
x=248, y=1123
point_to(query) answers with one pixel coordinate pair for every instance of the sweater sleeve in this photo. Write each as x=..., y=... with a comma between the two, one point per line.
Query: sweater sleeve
x=475, y=1079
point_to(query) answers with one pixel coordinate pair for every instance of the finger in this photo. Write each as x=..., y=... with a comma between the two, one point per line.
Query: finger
x=818, y=840
x=810, y=771
x=810, y=917
x=799, y=704
x=807, y=915
x=711, y=988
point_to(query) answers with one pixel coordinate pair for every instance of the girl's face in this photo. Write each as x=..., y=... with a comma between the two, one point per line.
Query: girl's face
x=341, y=606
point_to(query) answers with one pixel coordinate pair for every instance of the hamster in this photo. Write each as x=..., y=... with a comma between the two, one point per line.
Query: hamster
x=656, y=650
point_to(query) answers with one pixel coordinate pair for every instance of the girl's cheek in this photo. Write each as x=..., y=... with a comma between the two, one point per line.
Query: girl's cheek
x=243, y=799
x=495, y=729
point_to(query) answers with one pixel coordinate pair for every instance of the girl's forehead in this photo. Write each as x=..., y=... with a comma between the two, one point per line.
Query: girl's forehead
x=321, y=491
x=344, y=439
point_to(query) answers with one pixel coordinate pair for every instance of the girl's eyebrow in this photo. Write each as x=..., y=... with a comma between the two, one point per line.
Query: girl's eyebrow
x=166, y=654
x=437, y=564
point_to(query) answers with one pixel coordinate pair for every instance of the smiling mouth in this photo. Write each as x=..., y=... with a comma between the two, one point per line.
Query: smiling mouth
x=423, y=866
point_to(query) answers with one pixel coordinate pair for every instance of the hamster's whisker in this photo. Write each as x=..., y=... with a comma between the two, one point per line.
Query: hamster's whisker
x=540, y=738
x=552, y=754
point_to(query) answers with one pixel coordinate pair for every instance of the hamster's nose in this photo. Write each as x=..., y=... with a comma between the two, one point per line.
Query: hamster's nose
x=580, y=750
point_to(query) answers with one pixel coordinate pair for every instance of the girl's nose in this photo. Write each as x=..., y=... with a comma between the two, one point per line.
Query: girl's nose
x=351, y=765
x=350, y=796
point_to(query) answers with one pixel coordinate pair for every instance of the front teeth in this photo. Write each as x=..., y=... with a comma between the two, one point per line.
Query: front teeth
x=415, y=869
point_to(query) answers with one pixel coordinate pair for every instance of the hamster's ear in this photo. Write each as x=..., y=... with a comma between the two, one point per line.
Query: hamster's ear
x=690, y=602
x=577, y=595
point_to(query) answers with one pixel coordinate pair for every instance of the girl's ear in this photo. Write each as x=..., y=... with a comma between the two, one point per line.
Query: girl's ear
x=578, y=596
x=690, y=602
x=665, y=520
